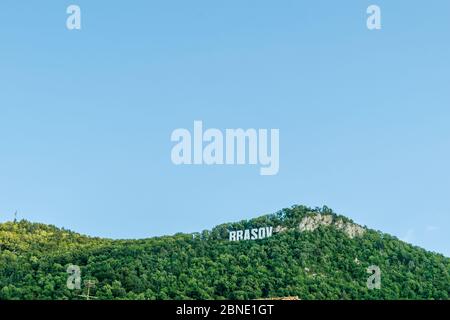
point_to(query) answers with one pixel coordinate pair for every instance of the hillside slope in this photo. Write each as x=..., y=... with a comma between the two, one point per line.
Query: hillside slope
x=313, y=254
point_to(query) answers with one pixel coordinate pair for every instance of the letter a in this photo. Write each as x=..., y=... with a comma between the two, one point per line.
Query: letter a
x=74, y=279
x=374, y=281
x=74, y=20
x=374, y=20
x=181, y=152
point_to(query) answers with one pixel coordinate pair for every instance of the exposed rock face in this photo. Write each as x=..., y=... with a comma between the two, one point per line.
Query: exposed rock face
x=351, y=229
x=312, y=223
x=280, y=229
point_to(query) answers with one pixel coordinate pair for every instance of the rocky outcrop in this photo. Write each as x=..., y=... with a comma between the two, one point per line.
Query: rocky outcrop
x=280, y=229
x=351, y=229
x=311, y=223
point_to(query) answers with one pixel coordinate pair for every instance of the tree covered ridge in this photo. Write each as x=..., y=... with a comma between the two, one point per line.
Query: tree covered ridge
x=324, y=264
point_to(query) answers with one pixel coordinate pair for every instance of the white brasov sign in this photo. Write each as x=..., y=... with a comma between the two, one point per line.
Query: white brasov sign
x=251, y=234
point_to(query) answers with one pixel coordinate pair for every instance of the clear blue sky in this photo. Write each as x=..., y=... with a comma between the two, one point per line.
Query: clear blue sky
x=86, y=116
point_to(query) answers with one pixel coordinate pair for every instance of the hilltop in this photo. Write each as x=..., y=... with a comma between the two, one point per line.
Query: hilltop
x=312, y=254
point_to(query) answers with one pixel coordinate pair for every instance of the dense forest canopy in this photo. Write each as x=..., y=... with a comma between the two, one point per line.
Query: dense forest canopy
x=325, y=263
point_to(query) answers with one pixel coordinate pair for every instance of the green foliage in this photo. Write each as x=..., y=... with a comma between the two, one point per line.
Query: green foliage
x=324, y=264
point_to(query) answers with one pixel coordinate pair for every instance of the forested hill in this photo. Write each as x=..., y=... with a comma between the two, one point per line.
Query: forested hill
x=312, y=254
